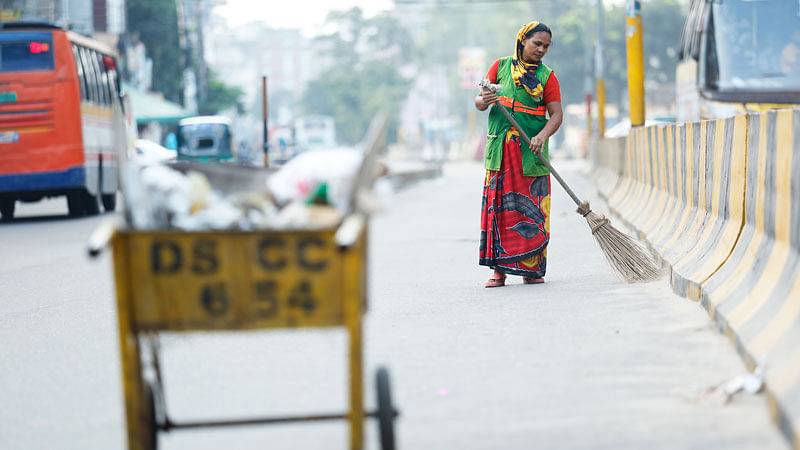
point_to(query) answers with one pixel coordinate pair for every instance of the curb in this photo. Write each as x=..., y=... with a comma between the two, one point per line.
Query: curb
x=403, y=173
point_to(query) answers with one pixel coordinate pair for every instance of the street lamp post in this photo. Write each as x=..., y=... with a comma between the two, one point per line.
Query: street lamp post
x=633, y=44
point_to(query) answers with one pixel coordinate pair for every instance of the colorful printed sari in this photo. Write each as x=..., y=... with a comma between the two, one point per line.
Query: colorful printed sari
x=515, y=216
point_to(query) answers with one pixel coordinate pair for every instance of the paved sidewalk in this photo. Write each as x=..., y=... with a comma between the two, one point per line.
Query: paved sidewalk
x=583, y=361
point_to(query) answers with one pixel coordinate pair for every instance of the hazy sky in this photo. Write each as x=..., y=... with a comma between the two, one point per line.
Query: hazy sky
x=306, y=15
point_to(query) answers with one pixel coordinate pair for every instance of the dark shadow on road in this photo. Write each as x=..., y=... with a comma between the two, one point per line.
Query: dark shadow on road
x=48, y=218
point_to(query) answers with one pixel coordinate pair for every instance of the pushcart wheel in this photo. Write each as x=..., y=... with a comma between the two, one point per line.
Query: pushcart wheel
x=386, y=411
x=151, y=433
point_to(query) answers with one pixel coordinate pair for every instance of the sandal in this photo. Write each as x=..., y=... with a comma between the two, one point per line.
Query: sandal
x=527, y=280
x=496, y=281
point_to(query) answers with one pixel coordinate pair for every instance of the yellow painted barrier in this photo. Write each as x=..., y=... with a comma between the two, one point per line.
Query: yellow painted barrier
x=719, y=201
x=679, y=187
x=755, y=296
x=723, y=211
x=654, y=178
x=631, y=194
x=670, y=200
x=684, y=238
x=657, y=208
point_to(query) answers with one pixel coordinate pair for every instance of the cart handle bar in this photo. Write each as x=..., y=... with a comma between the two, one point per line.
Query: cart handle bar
x=100, y=237
x=169, y=425
x=348, y=232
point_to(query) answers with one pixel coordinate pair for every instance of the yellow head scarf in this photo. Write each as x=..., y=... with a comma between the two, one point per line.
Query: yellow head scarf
x=524, y=73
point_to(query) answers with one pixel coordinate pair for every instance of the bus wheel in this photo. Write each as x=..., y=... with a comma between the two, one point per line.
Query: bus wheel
x=82, y=203
x=109, y=202
x=7, y=208
x=74, y=204
x=91, y=204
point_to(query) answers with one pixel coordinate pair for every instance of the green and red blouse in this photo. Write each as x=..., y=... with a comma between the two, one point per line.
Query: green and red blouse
x=529, y=112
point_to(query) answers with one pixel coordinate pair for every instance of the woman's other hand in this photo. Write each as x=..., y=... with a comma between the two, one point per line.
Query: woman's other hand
x=537, y=142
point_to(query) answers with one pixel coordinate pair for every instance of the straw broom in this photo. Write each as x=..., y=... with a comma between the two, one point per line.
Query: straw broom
x=626, y=256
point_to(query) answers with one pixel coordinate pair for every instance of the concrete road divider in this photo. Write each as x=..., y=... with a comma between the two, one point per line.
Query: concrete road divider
x=645, y=207
x=719, y=202
x=722, y=214
x=628, y=197
x=755, y=296
x=661, y=199
x=677, y=185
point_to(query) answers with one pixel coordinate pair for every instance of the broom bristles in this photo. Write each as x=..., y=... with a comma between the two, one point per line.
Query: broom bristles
x=624, y=254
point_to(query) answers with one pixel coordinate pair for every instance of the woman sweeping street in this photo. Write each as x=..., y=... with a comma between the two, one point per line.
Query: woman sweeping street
x=515, y=211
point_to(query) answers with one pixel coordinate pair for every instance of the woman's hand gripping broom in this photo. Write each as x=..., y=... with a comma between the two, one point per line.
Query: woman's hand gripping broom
x=625, y=255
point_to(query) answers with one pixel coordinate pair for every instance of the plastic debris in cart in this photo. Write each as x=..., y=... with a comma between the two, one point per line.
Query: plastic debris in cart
x=315, y=190
x=328, y=177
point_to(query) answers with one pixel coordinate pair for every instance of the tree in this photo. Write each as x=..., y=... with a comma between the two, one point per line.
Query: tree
x=362, y=55
x=354, y=97
x=493, y=26
x=566, y=55
x=359, y=76
x=662, y=22
x=155, y=24
x=220, y=97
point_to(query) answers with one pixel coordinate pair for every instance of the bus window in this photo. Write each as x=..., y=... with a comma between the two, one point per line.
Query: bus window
x=112, y=82
x=117, y=89
x=102, y=80
x=737, y=56
x=81, y=75
x=87, y=75
x=25, y=52
x=689, y=29
x=754, y=46
x=106, y=84
x=91, y=76
x=695, y=34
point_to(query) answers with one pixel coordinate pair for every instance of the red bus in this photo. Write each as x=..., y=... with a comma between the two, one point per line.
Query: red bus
x=59, y=95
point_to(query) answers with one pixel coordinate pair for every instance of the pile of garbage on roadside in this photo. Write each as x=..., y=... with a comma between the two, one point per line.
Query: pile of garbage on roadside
x=314, y=190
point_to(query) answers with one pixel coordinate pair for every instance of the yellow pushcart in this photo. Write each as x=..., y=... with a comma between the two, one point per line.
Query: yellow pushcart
x=181, y=281
x=206, y=281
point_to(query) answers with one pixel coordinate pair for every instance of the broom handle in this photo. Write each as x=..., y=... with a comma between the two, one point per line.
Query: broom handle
x=539, y=154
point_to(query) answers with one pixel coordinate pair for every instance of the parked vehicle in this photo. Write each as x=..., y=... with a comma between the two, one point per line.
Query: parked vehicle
x=205, y=138
x=314, y=132
x=59, y=118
